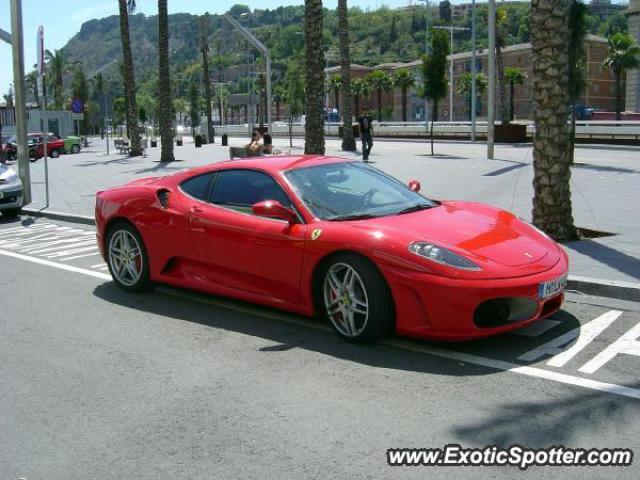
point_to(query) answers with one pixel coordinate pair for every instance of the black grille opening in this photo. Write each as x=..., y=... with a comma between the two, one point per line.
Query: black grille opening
x=498, y=312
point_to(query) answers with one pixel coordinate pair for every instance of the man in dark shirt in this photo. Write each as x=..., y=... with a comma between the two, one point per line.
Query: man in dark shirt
x=366, y=133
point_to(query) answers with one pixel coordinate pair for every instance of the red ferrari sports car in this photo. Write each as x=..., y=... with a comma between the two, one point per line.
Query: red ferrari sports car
x=339, y=238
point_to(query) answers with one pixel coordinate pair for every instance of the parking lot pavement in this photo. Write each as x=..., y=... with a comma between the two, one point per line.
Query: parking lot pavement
x=98, y=383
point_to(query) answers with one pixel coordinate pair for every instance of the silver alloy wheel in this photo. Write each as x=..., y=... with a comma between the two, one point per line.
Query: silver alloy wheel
x=125, y=257
x=345, y=299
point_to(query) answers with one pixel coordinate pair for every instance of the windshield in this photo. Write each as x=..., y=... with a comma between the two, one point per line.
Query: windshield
x=351, y=191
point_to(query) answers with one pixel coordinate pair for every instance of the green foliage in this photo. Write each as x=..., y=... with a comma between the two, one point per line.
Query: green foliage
x=434, y=67
x=464, y=83
x=623, y=53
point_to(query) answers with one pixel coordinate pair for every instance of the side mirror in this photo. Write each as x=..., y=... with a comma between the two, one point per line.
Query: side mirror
x=414, y=185
x=274, y=209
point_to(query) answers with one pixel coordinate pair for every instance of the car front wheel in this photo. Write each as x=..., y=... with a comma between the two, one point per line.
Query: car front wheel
x=54, y=154
x=75, y=148
x=127, y=258
x=356, y=299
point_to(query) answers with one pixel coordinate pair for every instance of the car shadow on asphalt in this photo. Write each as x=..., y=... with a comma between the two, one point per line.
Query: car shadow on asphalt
x=606, y=255
x=558, y=421
x=289, y=331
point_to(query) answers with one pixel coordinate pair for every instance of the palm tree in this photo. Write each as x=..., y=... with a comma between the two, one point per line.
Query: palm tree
x=623, y=55
x=57, y=64
x=513, y=76
x=279, y=96
x=464, y=87
x=335, y=83
x=165, y=113
x=404, y=79
x=348, y=142
x=360, y=87
x=578, y=30
x=552, y=209
x=380, y=81
x=204, y=48
x=126, y=7
x=31, y=81
x=314, y=81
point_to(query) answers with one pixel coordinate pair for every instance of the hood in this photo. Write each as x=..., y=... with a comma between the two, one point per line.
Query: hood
x=472, y=229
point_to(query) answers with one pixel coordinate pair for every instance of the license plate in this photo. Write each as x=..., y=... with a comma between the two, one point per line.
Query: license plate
x=547, y=289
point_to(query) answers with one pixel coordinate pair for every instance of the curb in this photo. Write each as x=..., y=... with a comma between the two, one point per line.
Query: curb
x=599, y=287
x=55, y=215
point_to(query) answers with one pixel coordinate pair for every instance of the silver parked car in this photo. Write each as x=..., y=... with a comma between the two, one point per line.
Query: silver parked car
x=10, y=192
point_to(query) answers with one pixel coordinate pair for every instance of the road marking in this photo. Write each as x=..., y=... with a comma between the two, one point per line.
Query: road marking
x=627, y=343
x=584, y=334
x=402, y=344
x=536, y=329
x=61, y=266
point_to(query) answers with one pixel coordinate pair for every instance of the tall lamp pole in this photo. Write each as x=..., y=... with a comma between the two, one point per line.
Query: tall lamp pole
x=491, y=113
x=16, y=41
x=474, y=93
x=426, y=51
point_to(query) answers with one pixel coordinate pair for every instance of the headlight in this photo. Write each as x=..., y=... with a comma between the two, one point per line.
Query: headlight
x=442, y=255
x=13, y=178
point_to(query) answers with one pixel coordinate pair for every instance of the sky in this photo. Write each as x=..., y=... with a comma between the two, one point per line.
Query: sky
x=62, y=19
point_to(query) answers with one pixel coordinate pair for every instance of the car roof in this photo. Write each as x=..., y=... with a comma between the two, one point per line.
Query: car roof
x=272, y=164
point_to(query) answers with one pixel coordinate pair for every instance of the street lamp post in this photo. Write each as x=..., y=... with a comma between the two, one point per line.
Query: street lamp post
x=474, y=92
x=451, y=30
x=426, y=51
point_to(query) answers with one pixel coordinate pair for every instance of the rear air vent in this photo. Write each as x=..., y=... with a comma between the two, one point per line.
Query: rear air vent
x=163, y=197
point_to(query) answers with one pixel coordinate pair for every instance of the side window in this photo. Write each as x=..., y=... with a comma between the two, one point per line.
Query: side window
x=243, y=188
x=198, y=187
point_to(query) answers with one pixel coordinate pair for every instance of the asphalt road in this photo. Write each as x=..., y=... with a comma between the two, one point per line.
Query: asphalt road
x=97, y=383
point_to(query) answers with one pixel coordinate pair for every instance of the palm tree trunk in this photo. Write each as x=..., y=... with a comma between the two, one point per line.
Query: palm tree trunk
x=618, y=75
x=511, y=107
x=314, y=65
x=502, y=91
x=164, y=85
x=552, y=210
x=348, y=142
x=129, y=81
x=379, y=92
x=204, y=48
x=404, y=104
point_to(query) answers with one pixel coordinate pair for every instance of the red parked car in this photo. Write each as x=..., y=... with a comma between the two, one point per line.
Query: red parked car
x=55, y=145
x=329, y=236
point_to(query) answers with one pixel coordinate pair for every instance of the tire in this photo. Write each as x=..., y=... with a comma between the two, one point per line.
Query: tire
x=133, y=276
x=75, y=148
x=359, y=307
x=54, y=153
x=11, y=212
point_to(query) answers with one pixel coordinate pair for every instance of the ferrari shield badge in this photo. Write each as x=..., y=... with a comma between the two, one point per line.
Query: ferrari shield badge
x=316, y=233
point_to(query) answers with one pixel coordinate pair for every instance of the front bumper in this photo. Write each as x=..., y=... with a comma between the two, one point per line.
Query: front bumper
x=440, y=308
x=11, y=196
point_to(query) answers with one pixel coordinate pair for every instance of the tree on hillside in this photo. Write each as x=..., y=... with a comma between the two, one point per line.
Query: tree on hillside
x=206, y=80
x=513, y=76
x=57, y=65
x=126, y=7
x=434, y=73
x=464, y=87
x=348, y=142
x=623, y=55
x=552, y=209
x=380, y=82
x=165, y=117
x=314, y=77
x=404, y=80
x=578, y=12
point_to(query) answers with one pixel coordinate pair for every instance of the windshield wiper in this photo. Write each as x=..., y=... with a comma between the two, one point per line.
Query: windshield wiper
x=357, y=216
x=415, y=208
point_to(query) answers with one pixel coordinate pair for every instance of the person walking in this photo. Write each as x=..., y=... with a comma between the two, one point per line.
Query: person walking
x=366, y=133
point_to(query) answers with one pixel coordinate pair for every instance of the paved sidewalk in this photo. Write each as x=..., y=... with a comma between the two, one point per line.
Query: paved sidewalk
x=605, y=186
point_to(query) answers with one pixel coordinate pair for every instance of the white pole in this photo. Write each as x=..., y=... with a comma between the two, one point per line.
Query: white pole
x=492, y=78
x=474, y=93
x=19, y=88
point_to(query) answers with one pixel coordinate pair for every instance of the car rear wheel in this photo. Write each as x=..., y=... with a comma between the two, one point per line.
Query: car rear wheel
x=54, y=154
x=127, y=258
x=11, y=212
x=356, y=299
x=75, y=148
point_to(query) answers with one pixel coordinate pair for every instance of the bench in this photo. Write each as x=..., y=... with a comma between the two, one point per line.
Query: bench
x=121, y=146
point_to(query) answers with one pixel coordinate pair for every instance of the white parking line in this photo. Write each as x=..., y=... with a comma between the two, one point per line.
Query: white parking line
x=403, y=344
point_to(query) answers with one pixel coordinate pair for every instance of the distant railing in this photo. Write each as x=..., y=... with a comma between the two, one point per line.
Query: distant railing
x=601, y=130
